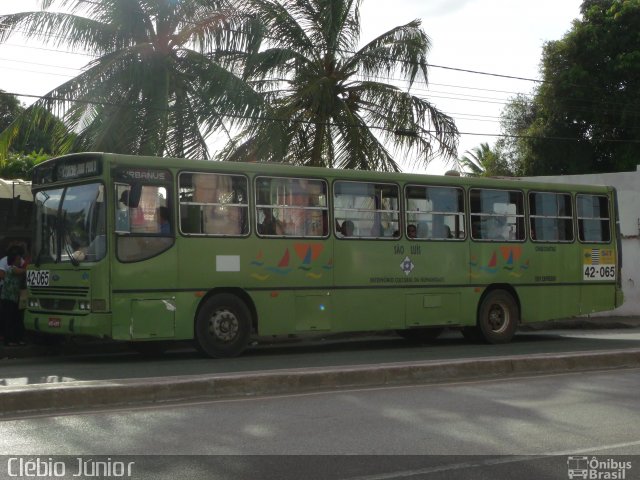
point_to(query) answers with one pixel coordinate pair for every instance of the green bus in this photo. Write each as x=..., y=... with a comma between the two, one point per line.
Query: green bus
x=145, y=249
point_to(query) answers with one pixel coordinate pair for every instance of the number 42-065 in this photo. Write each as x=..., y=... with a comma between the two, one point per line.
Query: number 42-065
x=600, y=272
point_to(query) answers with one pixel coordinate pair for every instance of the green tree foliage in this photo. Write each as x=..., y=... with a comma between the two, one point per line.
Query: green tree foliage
x=585, y=116
x=9, y=109
x=482, y=161
x=31, y=138
x=325, y=103
x=515, y=119
x=20, y=165
x=154, y=87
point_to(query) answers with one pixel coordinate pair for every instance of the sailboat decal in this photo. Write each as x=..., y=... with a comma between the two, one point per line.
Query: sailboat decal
x=283, y=265
x=491, y=267
x=258, y=261
x=509, y=265
x=306, y=263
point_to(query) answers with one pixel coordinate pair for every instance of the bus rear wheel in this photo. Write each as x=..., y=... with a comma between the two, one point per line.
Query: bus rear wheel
x=498, y=317
x=223, y=326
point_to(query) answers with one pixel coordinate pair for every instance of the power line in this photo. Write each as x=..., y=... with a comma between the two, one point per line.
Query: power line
x=432, y=93
x=55, y=50
x=39, y=72
x=41, y=64
x=444, y=67
x=67, y=52
x=455, y=97
x=458, y=96
x=307, y=122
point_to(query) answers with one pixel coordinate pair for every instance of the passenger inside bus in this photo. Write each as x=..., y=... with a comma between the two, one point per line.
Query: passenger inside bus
x=162, y=216
x=412, y=231
x=347, y=228
x=269, y=225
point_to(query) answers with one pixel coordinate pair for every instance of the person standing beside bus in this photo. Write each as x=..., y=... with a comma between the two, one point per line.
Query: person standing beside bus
x=10, y=298
x=4, y=265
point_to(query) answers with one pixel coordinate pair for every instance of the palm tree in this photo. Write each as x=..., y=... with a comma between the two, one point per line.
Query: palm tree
x=325, y=105
x=154, y=87
x=482, y=161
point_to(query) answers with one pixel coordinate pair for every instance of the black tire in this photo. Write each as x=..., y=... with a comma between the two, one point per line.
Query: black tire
x=421, y=335
x=223, y=326
x=498, y=317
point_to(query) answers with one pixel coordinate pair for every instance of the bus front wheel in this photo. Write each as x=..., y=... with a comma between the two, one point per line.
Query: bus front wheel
x=223, y=326
x=498, y=317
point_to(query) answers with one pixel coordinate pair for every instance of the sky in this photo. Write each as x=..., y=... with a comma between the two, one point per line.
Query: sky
x=503, y=37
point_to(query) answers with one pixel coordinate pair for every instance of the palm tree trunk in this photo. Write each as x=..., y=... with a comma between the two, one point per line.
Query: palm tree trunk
x=155, y=122
x=318, y=140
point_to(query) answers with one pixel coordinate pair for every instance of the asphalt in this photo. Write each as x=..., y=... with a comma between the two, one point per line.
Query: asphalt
x=156, y=385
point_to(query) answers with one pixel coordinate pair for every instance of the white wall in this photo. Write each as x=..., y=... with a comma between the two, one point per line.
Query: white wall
x=628, y=187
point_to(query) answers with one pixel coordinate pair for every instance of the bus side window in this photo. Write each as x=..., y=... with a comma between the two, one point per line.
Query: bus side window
x=213, y=204
x=372, y=208
x=550, y=217
x=291, y=207
x=437, y=211
x=143, y=221
x=497, y=215
x=594, y=223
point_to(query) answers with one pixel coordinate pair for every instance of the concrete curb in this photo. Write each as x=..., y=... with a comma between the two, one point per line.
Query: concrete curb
x=69, y=396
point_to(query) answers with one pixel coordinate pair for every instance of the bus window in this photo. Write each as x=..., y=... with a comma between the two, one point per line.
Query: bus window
x=213, y=204
x=142, y=209
x=550, y=217
x=366, y=210
x=291, y=207
x=436, y=212
x=497, y=215
x=143, y=220
x=593, y=218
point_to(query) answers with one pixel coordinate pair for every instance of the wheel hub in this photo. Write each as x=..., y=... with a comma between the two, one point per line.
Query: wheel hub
x=498, y=318
x=224, y=325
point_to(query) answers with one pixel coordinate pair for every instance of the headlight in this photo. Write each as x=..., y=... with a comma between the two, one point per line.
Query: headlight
x=84, y=305
x=33, y=303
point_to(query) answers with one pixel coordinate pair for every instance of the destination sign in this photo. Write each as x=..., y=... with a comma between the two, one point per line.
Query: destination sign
x=66, y=168
x=69, y=170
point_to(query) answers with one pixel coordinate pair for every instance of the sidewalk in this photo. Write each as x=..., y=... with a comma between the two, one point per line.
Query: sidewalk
x=128, y=392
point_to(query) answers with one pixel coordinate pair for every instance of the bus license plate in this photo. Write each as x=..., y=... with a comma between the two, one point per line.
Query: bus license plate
x=37, y=278
x=54, y=323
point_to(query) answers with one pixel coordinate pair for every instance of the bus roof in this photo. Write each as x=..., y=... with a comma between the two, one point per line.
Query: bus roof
x=258, y=168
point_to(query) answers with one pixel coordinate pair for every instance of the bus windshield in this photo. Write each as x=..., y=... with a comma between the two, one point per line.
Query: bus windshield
x=70, y=224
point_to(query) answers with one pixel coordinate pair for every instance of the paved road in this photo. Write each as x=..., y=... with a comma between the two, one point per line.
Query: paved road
x=590, y=414
x=316, y=353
